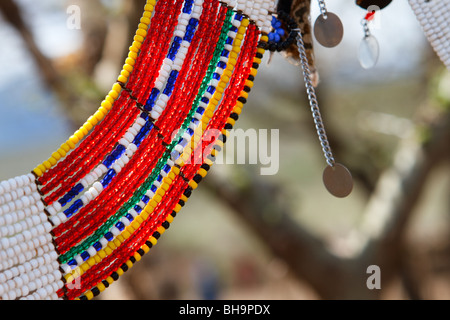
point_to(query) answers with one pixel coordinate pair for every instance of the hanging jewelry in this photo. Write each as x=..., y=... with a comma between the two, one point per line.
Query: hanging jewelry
x=369, y=49
x=336, y=177
x=328, y=28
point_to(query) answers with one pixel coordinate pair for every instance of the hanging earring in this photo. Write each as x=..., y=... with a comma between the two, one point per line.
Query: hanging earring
x=328, y=28
x=369, y=49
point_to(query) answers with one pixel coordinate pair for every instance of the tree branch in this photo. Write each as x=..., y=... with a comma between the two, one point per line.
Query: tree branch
x=380, y=237
x=12, y=13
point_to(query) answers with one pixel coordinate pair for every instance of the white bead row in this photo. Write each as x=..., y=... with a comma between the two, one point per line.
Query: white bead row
x=29, y=277
x=21, y=221
x=25, y=189
x=434, y=17
x=15, y=183
x=31, y=201
x=22, y=258
x=28, y=260
x=256, y=10
x=13, y=254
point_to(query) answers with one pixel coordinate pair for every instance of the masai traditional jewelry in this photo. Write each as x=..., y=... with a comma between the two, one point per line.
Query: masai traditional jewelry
x=84, y=216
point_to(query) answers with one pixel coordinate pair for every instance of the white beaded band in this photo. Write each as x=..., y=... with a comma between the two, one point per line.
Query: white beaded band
x=256, y=10
x=434, y=16
x=28, y=261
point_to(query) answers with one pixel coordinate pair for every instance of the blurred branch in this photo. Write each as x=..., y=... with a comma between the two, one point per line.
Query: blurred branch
x=95, y=29
x=343, y=151
x=12, y=13
x=71, y=81
x=380, y=239
x=303, y=252
x=118, y=32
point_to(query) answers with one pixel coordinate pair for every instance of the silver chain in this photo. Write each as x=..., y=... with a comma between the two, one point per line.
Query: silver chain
x=365, y=28
x=320, y=128
x=323, y=9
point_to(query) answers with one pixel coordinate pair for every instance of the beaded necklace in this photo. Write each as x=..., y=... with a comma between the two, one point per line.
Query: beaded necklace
x=104, y=198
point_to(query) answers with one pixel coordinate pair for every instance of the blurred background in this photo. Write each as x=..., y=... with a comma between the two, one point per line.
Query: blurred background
x=243, y=235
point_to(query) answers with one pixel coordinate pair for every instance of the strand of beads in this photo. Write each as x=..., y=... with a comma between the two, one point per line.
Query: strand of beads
x=125, y=150
x=28, y=267
x=103, y=207
x=129, y=212
x=127, y=172
x=434, y=17
x=201, y=173
x=179, y=182
x=207, y=45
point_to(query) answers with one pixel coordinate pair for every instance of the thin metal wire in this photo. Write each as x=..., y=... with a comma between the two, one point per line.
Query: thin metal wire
x=323, y=9
x=320, y=128
x=366, y=29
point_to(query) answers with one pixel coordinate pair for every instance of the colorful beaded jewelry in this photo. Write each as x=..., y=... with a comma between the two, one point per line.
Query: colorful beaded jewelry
x=104, y=198
x=67, y=232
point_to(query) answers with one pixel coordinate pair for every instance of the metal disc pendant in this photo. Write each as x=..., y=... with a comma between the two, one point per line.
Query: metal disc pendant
x=369, y=51
x=338, y=180
x=329, y=31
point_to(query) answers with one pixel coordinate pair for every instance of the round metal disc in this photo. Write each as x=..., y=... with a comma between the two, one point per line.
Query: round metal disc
x=330, y=31
x=338, y=180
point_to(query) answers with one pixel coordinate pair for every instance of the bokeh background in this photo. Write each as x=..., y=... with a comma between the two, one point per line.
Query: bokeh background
x=243, y=235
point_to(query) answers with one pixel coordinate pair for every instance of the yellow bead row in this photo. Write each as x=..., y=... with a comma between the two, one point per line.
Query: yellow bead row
x=109, y=100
